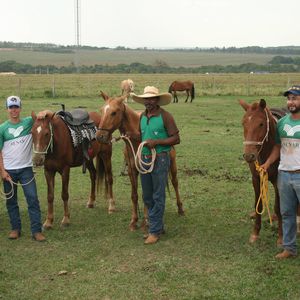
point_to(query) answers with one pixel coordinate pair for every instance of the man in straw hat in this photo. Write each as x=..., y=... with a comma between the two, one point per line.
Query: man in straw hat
x=159, y=131
x=287, y=147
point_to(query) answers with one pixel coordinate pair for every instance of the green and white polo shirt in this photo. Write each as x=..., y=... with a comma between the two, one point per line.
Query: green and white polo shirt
x=16, y=144
x=288, y=135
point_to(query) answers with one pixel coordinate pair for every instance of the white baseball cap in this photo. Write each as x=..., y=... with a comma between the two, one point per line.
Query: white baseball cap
x=13, y=101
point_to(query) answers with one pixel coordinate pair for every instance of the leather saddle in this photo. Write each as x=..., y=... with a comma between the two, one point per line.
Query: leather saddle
x=76, y=117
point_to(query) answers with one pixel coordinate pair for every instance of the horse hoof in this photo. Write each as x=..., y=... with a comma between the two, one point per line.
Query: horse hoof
x=279, y=243
x=181, y=212
x=132, y=227
x=90, y=205
x=253, y=238
x=47, y=226
x=64, y=225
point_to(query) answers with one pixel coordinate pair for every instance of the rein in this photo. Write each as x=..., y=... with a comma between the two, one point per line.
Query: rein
x=50, y=144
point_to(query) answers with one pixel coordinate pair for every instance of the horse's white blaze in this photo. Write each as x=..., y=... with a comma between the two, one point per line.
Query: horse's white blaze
x=249, y=118
x=105, y=109
x=39, y=129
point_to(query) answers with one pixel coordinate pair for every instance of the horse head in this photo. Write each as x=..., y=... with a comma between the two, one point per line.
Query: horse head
x=256, y=124
x=112, y=114
x=42, y=136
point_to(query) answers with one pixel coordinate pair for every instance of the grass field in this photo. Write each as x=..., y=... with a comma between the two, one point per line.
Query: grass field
x=203, y=255
x=114, y=57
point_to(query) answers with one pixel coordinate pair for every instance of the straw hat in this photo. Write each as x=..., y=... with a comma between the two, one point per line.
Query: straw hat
x=150, y=92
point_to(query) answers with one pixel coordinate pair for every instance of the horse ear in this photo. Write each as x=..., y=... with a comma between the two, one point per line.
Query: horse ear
x=244, y=105
x=104, y=96
x=262, y=103
x=33, y=115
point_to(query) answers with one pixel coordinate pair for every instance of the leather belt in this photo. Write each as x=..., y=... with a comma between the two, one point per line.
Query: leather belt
x=157, y=154
x=293, y=171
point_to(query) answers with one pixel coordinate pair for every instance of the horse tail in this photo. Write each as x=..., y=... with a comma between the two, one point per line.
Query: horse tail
x=100, y=175
x=193, y=92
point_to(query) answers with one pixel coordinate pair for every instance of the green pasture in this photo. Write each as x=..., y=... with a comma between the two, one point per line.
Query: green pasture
x=150, y=57
x=203, y=255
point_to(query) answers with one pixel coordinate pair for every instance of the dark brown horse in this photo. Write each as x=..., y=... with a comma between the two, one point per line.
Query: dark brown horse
x=53, y=148
x=181, y=86
x=259, y=134
x=115, y=114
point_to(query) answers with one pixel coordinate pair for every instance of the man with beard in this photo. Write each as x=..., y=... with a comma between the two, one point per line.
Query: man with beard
x=287, y=147
x=159, y=131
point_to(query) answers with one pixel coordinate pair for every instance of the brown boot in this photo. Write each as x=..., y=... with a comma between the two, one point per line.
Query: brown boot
x=14, y=235
x=285, y=254
x=39, y=237
x=151, y=239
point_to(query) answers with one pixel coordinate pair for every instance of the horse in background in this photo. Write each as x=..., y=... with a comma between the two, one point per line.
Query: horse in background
x=181, y=86
x=259, y=134
x=53, y=148
x=127, y=87
x=115, y=114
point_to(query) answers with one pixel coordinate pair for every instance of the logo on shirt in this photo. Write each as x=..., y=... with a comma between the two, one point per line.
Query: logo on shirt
x=290, y=131
x=15, y=132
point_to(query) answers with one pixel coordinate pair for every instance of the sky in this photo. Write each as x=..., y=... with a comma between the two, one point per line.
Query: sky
x=152, y=23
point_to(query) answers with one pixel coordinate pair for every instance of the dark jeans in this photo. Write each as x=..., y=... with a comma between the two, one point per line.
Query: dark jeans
x=23, y=176
x=154, y=195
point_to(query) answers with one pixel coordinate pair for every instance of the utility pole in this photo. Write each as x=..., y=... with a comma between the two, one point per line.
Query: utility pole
x=77, y=34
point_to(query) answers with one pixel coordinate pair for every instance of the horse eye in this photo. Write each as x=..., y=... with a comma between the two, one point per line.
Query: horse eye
x=261, y=124
x=113, y=113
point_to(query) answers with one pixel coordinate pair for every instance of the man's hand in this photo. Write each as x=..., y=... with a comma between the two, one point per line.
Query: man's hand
x=5, y=176
x=151, y=143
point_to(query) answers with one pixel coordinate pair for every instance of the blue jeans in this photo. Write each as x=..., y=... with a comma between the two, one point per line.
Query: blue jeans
x=289, y=191
x=23, y=176
x=154, y=191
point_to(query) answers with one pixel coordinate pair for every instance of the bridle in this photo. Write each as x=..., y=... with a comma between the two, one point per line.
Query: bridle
x=110, y=131
x=50, y=144
x=255, y=143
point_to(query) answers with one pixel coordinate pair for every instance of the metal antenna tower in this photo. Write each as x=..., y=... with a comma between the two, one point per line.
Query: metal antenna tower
x=77, y=32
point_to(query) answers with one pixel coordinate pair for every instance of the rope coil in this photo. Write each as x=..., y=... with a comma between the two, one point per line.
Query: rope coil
x=264, y=196
x=141, y=166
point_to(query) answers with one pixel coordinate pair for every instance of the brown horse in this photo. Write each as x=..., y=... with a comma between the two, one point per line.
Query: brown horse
x=53, y=148
x=259, y=133
x=181, y=86
x=117, y=115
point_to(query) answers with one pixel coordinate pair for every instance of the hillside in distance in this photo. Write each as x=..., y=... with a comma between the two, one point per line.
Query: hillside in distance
x=111, y=57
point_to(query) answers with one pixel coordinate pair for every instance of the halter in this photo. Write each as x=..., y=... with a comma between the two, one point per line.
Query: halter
x=109, y=130
x=265, y=137
x=50, y=144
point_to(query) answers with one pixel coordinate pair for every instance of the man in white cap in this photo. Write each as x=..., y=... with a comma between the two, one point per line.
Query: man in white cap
x=287, y=148
x=16, y=168
x=159, y=131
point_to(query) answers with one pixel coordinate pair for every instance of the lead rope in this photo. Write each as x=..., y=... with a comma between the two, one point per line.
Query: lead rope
x=10, y=194
x=264, y=196
x=141, y=166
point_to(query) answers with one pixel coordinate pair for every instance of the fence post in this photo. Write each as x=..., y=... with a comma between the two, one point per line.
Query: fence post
x=53, y=87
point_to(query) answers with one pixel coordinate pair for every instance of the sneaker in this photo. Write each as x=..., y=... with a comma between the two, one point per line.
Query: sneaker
x=14, y=235
x=285, y=254
x=39, y=237
x=151, y=239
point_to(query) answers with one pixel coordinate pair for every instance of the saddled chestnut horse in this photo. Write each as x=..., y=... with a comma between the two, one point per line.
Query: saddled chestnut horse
x=115, y=114
x=181, y=86
x=53, y=148
x=259, y=133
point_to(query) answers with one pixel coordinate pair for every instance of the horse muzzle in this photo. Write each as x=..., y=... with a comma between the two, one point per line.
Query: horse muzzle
x=103, y=136
x=38, y=159
x=249, y=157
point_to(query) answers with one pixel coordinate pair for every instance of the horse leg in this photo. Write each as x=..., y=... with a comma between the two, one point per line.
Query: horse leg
x=174, y=179
x=48, y=224
x=187, y=94
x=109, y=183
x=92, y=170
x=133, y=176
x=278, y=214
x=65, y=176
x=257, y=225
